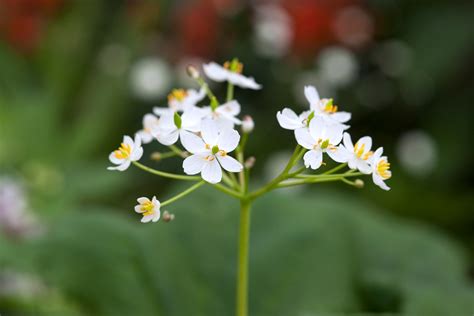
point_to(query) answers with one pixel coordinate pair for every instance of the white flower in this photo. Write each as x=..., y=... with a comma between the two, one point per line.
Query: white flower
x=210, y=153
x=150, y=123
x=247, y=124
x=380, y=169
x=180, y=100
x=174, y=126
x=224, y=115
x=357, y=156
x=231, y=72
x=288, y=119
x=128, y=151
x=319, y=138
x=150, y=210
x=325, y=107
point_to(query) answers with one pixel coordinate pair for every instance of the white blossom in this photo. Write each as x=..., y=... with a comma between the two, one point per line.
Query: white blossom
x=174, y=126
x=150, y=209
x=231, y=72
x=319, y=138
x=325, y=108
x=180, y=100
x=380, y=169
x=150, y=123
x=130, y=150
x=210, y=153
x=225, y=115
x=357, y=156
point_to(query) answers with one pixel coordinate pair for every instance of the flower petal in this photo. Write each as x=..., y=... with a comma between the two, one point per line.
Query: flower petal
x=229, y=163
x=311, y=95
x=348, y=142
x=379, y=182
x=124, y=166
x=243, y=81
x=115, y=160
x=212, y=172
x=229, y=108
x=192, y=143
x=228, y=140
x=340, y=154
x=215, y=71
x=194, y=164
x=137, y=153
x=363, y=166
x=313, y=159
x=209, y=132
x=304, y=138
x=341, y=117
x=365, y=141
x=288, y=119
x=168, y=137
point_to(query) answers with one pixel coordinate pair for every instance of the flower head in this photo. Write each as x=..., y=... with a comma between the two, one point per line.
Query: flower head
x=150, y=210
x=357, y=156
x=380, y=169
x=180, y=100
x=210, y=153
x=224, y=115
x=173, y=126
x=150, y=123
x=231, y=71
x=247, y=124
x=130, y=150
x=325, y=107
x=319, y=138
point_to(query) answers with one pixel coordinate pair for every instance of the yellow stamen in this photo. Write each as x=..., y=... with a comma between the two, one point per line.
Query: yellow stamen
x=177, y=94
x=147, y=208
x=234, y=67
x=123, y=152
x=210, y=158
x=222, y=153
x=329, y=107
x=383, y=169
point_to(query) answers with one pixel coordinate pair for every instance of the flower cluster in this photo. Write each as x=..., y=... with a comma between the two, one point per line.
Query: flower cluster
x=322, y=128
x=206, y=135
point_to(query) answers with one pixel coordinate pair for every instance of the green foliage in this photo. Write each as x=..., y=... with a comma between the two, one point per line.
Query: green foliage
x=324, y=254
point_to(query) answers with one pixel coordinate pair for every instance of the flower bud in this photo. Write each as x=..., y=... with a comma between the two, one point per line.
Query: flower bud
x=247, y=124
x=193, y=72
x=250, y=162
x=167, y=216
x=156, y=156
x=358, y=183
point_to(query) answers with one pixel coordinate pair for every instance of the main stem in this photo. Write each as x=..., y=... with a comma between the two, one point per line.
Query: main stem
x=243, y=259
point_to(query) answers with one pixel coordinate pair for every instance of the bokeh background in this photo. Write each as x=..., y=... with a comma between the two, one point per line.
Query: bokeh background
x=77, y=75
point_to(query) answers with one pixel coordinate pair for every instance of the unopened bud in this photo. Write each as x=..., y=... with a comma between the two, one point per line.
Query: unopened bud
x=155, y=156
x=167, y=216
x=193, y=72
x=358, y=183
x=250, y=162
x=247, y=124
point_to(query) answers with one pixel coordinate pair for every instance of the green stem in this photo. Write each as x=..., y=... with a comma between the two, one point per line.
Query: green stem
x=230, y=91
x=166, y=174
x=228, y=191
x=319, y=178
x=337, y=168
x=182, y=194
x=204, y=85
x=243, y=260
x=177, y=151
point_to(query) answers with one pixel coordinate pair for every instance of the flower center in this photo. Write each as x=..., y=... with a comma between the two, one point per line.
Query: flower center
x=329, y=107
x=383, y=169
x=123, y=152
x=177, y=94
x=323, y=144
x=360, y=152
x=148, y=208
x=215, y=149
x=234, y=66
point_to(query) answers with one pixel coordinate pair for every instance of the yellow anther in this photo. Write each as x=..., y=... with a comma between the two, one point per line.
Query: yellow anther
x=208, y=146
x=383, y=169
x=234, y=66
x=123, y=152
x=147, y=208
x=329, y=107
x=222, y=153
x=177, y=94
x=359, y=151
x=210, y=158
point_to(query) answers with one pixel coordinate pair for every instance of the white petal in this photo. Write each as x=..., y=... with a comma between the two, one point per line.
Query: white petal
x=149, y=120
x=212, y=172
x=161, y=111
x=209, y=132
x=168, y=137
x=289, y=120
x=341, y=117
x=340, y=154
x=191, y=120
x=127, y=140
x=194, y=164
x=137, y=153
x=311, y=95
x=192, y=143
x=304, y=138
x=156, y=216
x=224, y=123
x=115, y=160
x=376, y=156
x=366, y=141
x=215, y=71
x=229, y=163
x=145, y=136
x=147, y=218
x=363, y=166
x=243, y=81
x=313, y=159
x=348, y=142
x=229, y=108
x=334, y=134
x=228, y=140
x=124, y=166
x=138, y=208
x=379, y=182
x=317, y=127
x=143, y=200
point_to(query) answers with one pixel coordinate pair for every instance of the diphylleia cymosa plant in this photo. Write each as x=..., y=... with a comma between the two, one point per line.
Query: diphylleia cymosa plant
x=209, y=135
